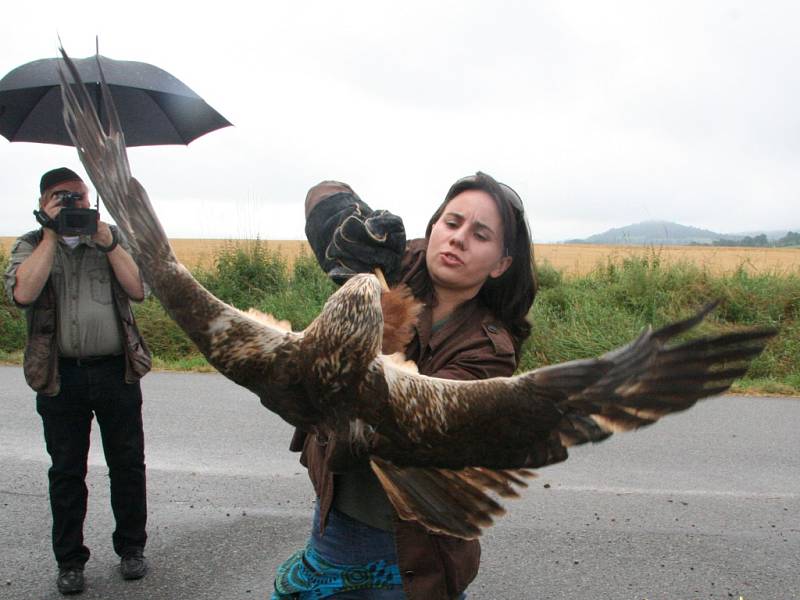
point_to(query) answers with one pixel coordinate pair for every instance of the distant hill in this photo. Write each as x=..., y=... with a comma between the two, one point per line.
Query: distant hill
x=666, y=233
x=660, y=233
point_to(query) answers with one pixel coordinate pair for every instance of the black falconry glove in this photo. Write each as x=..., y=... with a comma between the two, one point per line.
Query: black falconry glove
x=360, y=239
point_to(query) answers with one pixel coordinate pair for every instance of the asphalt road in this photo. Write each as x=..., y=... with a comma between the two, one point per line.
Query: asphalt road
x=702, y=505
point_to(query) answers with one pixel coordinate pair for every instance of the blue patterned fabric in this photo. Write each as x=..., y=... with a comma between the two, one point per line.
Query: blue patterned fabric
x=308, y=574
x=349, y=556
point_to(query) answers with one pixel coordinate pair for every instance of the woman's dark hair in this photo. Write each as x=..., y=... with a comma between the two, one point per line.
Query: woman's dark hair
x=509, y=296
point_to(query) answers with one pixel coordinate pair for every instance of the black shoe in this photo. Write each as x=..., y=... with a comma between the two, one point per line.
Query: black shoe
x=133, y=565
x=70, y=580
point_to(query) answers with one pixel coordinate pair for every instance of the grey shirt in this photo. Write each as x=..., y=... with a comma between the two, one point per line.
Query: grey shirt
x=81, y=277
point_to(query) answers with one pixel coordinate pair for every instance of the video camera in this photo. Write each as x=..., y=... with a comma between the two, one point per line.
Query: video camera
x=70, y=220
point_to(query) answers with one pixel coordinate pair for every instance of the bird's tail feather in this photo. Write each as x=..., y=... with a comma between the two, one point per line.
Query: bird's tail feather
x=452, y=502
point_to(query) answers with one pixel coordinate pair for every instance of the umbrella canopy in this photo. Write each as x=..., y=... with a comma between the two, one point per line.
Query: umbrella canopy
x=154, y=107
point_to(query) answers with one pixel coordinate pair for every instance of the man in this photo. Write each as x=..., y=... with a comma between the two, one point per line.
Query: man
x=84, y=358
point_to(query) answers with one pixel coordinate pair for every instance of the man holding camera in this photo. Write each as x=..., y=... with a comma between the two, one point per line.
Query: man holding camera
x=84, y=358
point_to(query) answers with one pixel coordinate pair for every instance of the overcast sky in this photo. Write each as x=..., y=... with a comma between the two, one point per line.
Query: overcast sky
x=600, y=114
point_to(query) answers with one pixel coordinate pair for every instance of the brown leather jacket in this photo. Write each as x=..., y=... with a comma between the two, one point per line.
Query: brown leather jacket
x=40, y=363
x=471, y=345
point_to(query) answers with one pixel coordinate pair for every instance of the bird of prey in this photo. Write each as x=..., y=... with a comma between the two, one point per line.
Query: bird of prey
x=442, y=449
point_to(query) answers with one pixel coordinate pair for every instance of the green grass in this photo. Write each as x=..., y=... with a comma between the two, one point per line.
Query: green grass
x=12, y=323
x=585, y=316
x=573, y=318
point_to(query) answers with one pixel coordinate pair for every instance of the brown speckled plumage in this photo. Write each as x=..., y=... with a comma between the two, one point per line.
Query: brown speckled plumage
x=439, y=447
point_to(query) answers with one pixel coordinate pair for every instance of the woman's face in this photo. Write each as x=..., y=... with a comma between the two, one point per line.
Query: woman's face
x=466, y=244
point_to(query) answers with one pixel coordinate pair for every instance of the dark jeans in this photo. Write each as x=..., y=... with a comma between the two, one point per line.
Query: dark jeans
x=95, y=389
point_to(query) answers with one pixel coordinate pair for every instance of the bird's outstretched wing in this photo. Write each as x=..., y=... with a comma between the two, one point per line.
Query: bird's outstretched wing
x=443, y=445
x=251, y=349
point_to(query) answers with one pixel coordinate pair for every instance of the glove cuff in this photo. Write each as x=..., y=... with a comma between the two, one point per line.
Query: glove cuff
x=325, y=217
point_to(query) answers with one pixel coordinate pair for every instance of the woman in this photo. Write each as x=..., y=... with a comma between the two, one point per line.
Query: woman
x=473, y=272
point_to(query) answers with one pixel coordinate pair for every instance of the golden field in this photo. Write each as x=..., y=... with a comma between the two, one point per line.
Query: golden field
x=572, y=259
x=579, y=259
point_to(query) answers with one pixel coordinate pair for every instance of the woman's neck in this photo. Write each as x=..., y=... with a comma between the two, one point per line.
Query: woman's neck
x=448, y=301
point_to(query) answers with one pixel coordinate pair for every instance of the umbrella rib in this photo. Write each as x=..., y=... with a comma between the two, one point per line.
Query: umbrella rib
x=153, y=95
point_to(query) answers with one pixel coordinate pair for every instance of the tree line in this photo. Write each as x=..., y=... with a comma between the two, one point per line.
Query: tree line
x=790, y=239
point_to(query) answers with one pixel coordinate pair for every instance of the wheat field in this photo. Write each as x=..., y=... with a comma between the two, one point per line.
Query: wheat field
x=572, y=259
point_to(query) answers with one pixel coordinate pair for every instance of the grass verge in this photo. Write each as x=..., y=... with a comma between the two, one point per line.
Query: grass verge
x=573, y=317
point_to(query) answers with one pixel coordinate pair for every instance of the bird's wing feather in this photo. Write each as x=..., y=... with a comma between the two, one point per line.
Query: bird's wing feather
x=498, y=422
x=441, y=452
x=441, y=433
x=503, y=422
x=673, y=379
x=251, y=349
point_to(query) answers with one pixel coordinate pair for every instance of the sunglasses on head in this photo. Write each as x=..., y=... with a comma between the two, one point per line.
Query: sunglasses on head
x=509, y=194
x=512, y=197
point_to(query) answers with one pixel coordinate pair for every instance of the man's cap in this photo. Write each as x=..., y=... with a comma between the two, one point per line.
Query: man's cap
x=55, y=176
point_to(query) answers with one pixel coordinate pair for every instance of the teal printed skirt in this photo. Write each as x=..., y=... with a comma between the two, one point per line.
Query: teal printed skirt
x=350, y=556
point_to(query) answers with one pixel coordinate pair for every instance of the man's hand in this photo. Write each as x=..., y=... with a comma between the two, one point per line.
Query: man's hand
x=103, y=235
x=53, y=206
x=47, y=215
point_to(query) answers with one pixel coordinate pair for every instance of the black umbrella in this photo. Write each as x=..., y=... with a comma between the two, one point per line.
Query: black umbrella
x=154, y=107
